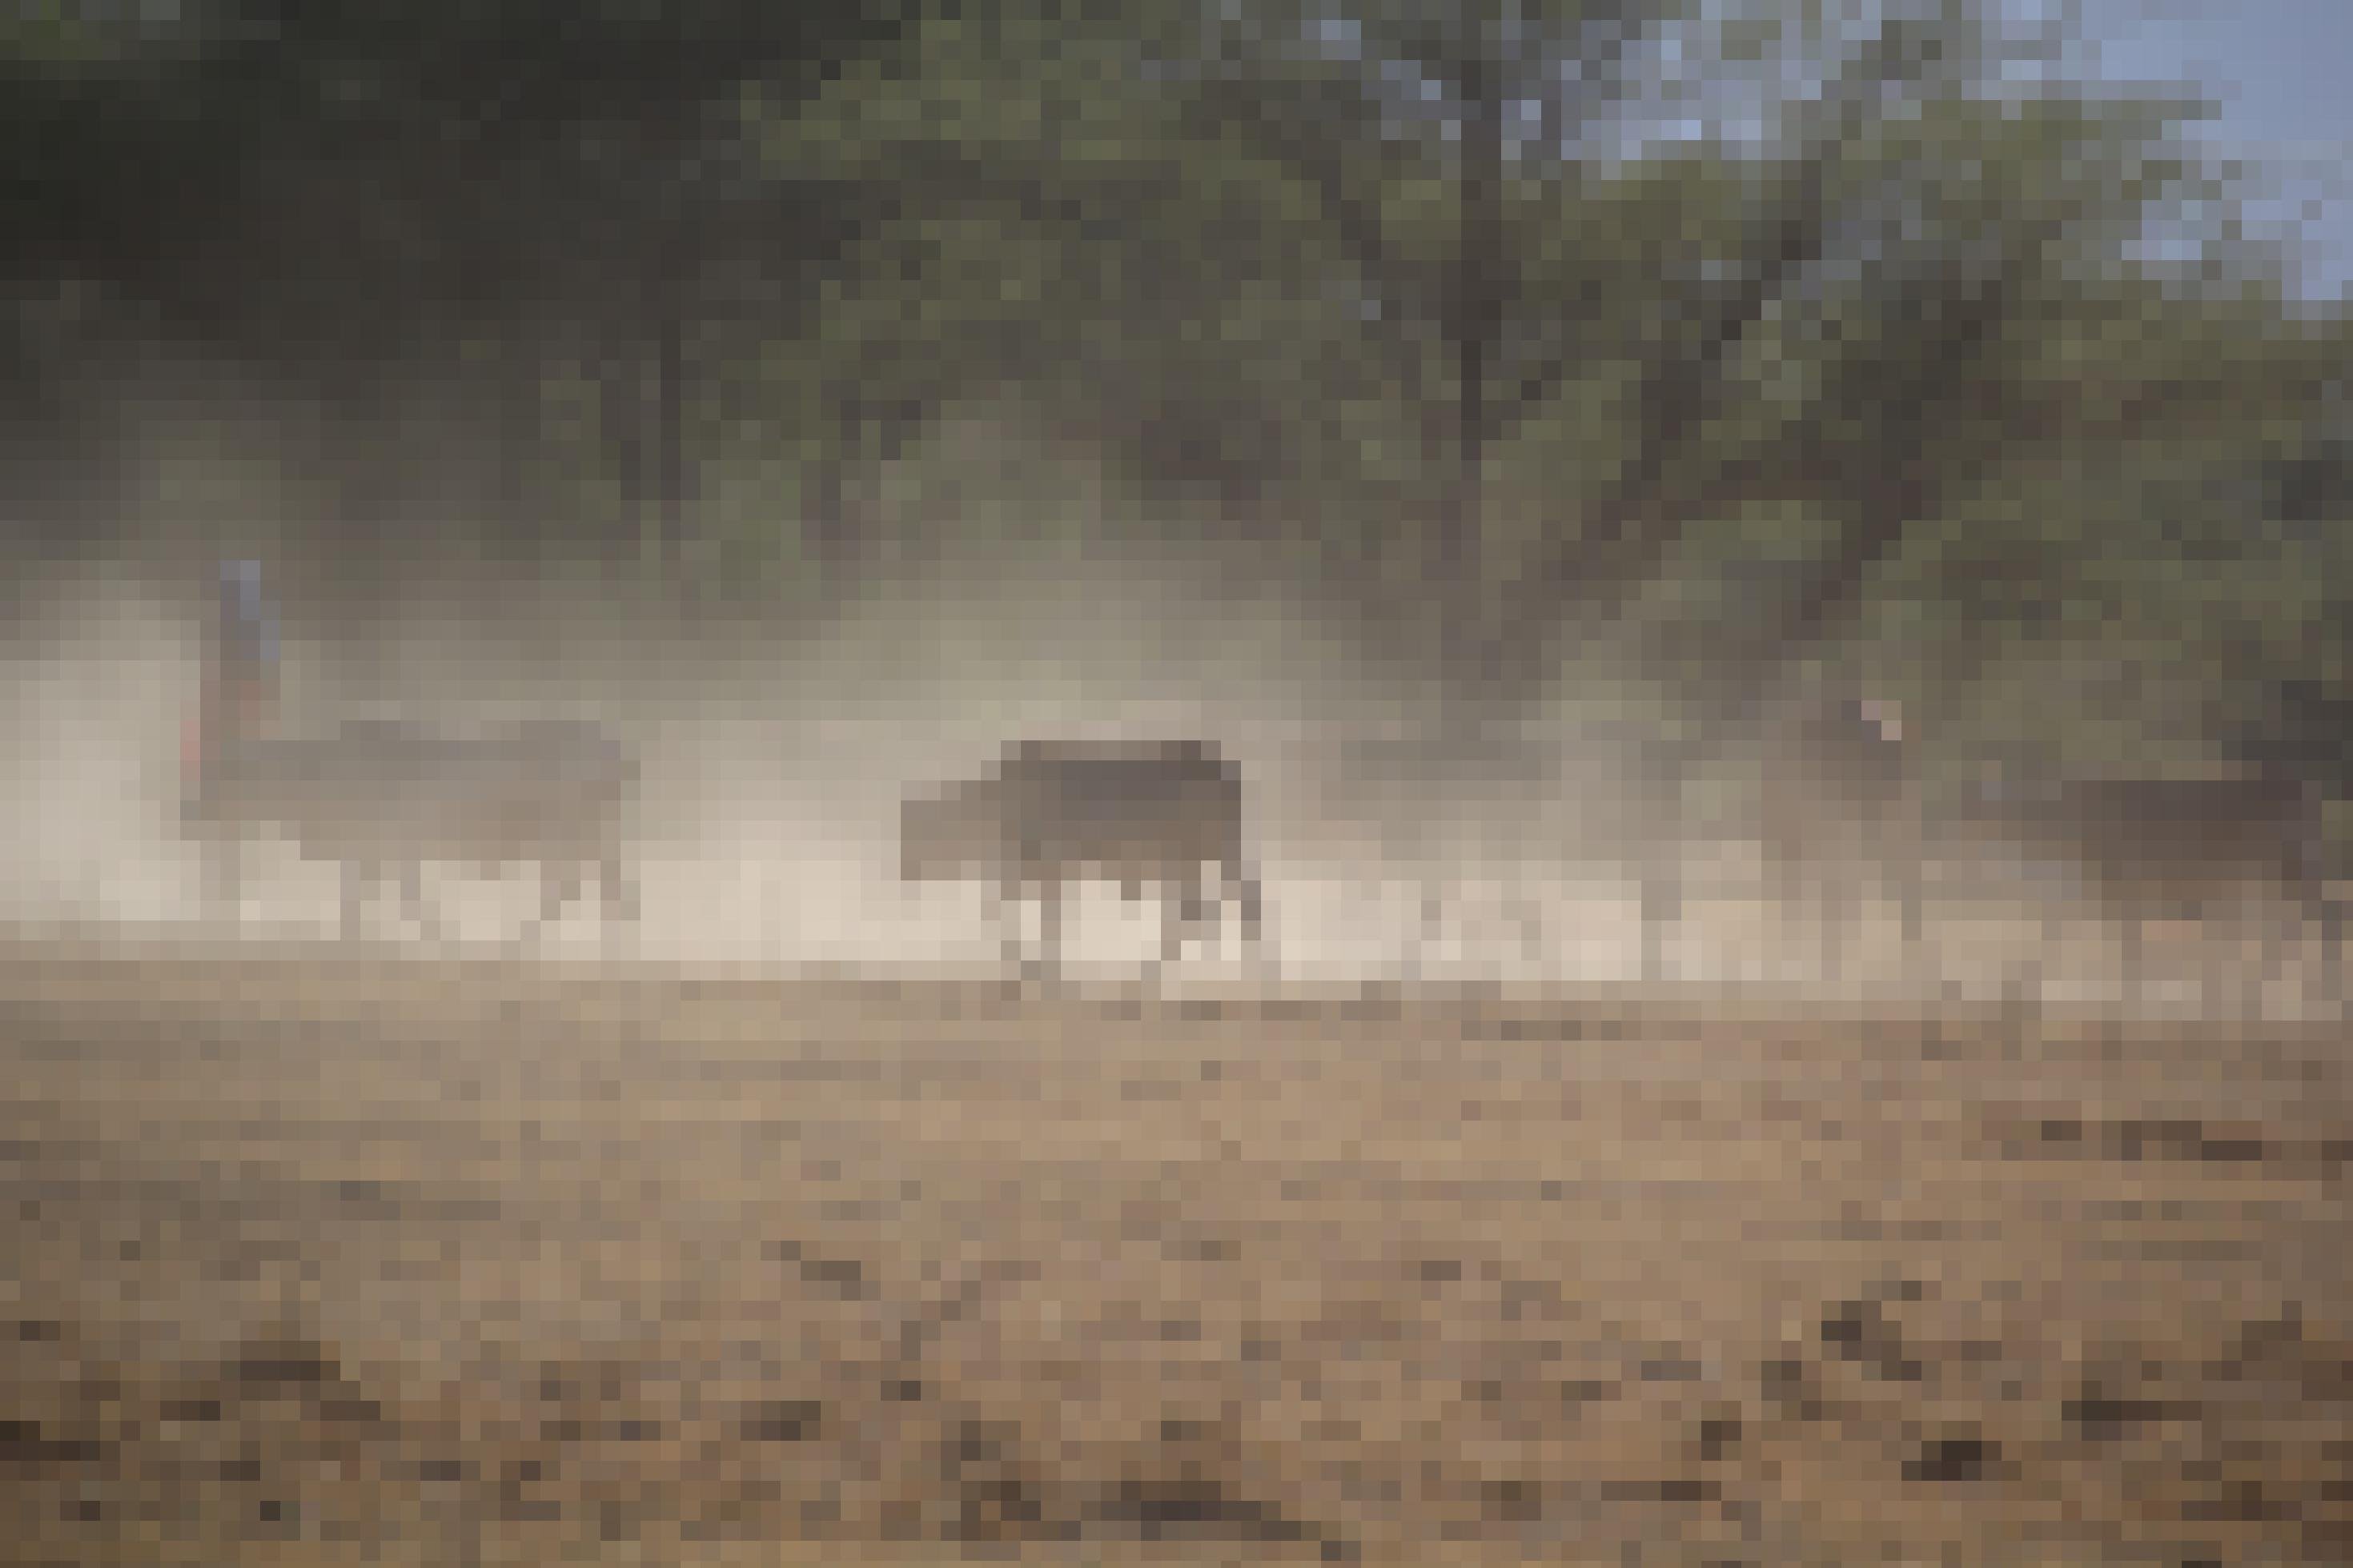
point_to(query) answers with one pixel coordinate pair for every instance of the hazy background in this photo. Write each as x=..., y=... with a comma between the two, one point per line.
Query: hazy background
x=1476, y=419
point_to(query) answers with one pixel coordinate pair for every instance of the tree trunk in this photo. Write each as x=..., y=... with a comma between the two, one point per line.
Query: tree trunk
x=517, y=423
x=670, y=393
x=1468, y=644
x=832, y=541
x=622, y=415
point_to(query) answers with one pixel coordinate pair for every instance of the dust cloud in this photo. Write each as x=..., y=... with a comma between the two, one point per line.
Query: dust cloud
x=774, y=767
x=772, y=774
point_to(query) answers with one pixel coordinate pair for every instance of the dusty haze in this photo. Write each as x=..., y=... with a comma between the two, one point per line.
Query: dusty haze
x=775, y=766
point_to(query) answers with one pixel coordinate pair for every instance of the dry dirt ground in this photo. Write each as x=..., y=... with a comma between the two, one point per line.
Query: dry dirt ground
x=330, y=1257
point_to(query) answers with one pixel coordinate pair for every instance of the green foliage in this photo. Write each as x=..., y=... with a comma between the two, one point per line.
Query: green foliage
x=1356, y=310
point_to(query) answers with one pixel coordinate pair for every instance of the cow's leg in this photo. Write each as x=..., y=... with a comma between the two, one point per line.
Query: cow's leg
x=1852, y=899
x=2273, y=942
x=2026, y=968
x=1795, y=898
x=1004, y=909
x=1661, y=903
x=1253, y=902
x=224, y=880
x=558, y=891
x=412, y=897
x=2320, y=919
x=1209, y=909
x=560, y=882
x=1820, y=897
x=2253, y=965
x=1526, y=915
x=1237, y=886
x=1830, y=895
x=1782, y=896
x=1911, y=874
x=1179, y=903
x=616, y=893
x=357, y=876
x=2332, y=951
x=2054, y=928
x=2132, y=941
x=2223, y=962
x=2216, y=942
x=1820, y=891
x=1049, y=924
x=2286, y=928
x=1791, y=902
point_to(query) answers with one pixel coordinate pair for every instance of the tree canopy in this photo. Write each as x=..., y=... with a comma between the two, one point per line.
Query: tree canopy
x=1702, y=339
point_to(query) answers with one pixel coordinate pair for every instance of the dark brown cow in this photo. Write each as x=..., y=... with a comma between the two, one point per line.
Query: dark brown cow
x=2168, y=848
x=1840, y=817
x=1055, y=812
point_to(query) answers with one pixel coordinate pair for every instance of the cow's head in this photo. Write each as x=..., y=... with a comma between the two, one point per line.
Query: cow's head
x=948, y=833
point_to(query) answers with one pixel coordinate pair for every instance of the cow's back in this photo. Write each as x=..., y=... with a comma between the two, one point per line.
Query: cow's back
x=2153, y=846
x=2187, y=840
x=400, y=788
x=1127, y=809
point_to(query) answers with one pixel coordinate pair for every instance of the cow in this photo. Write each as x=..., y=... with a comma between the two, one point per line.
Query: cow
x=1053, y=812
x=380, y=795
x=376, y=795
x=1840, y=816
x=2142, y=848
